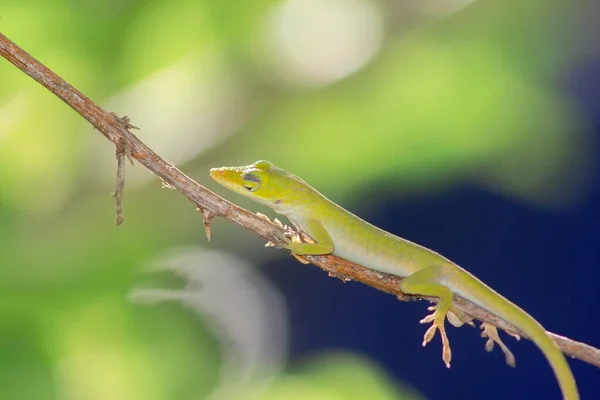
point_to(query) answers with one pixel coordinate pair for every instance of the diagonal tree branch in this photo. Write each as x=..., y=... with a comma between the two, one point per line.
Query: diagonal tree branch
x=116, y=130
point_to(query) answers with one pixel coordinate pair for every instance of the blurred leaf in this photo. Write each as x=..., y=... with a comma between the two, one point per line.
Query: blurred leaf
x=26, y=370
x=111, y=350
x=338, y=377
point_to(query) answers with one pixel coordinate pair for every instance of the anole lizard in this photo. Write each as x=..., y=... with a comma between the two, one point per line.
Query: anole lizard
x=337, y=231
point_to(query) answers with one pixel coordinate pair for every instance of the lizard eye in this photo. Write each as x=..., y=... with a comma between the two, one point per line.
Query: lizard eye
x=251, y=182
x=263, y=165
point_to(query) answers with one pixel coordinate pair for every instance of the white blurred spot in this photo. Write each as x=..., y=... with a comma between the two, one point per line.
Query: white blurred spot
x=244, y=311
x=317, y=42
x=183, y=111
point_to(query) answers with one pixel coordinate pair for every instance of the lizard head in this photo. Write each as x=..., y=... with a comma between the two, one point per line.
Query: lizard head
x=265, y=183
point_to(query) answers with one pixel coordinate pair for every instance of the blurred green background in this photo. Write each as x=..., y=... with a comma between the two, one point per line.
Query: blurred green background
x=361, y=98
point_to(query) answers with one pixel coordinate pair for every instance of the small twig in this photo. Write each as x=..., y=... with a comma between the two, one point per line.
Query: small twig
x=126, y=123
x=122, y=152
x=213, y=205
x=207, y=219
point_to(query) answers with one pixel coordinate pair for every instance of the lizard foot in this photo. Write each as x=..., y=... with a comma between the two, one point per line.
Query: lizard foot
x=297, y=237
x=458, y=318
x=437, y=323
x=290, y=236
x=491, y=333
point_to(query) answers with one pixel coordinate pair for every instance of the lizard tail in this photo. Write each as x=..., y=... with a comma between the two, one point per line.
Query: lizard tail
x=531, y=328
x=481, y=294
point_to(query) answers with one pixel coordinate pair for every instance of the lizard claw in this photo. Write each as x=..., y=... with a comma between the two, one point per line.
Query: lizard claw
x=491, y=333
x=458, y=318
x=287, y=238
x=437, y=323
x=290, y=236
x=297, y=238
x=263, y=216
x=279, y=224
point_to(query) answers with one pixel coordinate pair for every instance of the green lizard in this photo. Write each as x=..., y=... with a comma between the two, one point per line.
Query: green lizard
x=337, y=231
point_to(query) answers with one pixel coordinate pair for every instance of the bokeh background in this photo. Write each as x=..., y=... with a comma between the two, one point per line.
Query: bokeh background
x=468, y=126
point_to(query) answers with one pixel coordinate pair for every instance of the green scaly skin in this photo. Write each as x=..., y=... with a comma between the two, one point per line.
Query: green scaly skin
x=337, y=231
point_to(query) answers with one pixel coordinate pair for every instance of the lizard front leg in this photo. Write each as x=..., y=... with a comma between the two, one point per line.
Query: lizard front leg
x=322, y=242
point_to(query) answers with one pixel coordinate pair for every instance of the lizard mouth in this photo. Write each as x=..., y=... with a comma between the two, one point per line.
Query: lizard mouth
x=231, y=178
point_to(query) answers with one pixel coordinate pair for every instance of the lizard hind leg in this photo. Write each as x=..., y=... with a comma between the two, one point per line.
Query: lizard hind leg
x=491, y=333
x=427, y=282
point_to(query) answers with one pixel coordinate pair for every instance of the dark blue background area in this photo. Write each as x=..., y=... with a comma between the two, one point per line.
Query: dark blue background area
x=547, y=262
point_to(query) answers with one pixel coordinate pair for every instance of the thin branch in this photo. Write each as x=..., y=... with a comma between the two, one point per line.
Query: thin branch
x=115, y=130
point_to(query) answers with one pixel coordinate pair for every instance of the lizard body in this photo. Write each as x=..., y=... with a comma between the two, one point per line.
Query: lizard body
x=337, y=231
